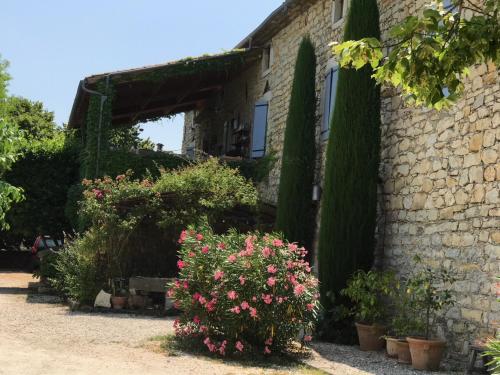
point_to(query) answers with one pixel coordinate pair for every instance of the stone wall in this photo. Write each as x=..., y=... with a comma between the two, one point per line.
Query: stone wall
x=440, y=171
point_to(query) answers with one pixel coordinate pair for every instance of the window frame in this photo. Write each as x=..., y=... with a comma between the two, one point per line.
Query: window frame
x=267, y=59
x=341, y=6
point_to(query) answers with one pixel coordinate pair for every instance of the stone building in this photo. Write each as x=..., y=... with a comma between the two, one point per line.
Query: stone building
x=440, y=170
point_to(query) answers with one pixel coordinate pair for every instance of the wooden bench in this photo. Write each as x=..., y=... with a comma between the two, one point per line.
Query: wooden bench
x=479, y=346
x=149, y=285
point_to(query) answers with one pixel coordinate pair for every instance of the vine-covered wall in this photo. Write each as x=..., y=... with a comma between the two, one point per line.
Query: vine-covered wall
x=97, y=124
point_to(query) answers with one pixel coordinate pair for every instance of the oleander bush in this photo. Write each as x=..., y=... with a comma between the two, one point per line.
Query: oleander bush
x=243, y=292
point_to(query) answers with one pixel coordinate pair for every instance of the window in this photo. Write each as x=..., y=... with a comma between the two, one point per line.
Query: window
x=259, y=130
x=190, y=153
x=266, y=59
x=331, y=82
x=338, y=10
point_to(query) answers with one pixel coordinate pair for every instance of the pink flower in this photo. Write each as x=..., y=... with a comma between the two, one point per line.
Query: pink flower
x=218, y=275
x=236, y=310
x=202, y=300
x=196, y=296
x=245, y=305
x=232, y=295
x=271, y=281
x=120, y=177
x=206, y=341
x=253, y=312
x=310, y=307
x=210, y=306
x=242, y=280
x=254, y=298
x=196, y=320
x=239, y=346
x=299, y=289
x=180, y=264
x=185, y=285
x=221, y=246
x=293, y=247
x=308, y=338
x=272, y=269
x=183, y=237
x=269, y=341
x=204, y=249
x=267, y=298
x=266, y=350
x=232, y=258
x=191, y=254
x=266, y=252
x=280, y=300
x=199, y=237
x=278, y=243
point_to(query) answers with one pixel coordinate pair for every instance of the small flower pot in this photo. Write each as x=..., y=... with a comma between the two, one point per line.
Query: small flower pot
x=118, y=303
x=403, y=352
x=391, y=347
x=370, y=337
x=426, y=354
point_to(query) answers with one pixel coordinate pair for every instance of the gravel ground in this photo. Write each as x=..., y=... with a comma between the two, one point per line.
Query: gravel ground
x=40, y=336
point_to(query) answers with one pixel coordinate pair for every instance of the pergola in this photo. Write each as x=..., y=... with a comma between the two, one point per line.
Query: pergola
x=129, y=97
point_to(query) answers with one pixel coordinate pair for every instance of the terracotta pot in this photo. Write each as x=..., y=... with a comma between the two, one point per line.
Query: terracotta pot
x=391, y=347
x=403, y=350
x=118, y=303
x=426, y=354
x=370, y=337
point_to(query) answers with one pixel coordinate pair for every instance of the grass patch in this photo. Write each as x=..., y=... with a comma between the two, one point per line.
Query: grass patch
x=291, y=360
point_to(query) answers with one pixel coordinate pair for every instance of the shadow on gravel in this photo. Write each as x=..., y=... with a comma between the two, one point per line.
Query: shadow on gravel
x=13, y=290
x=283, y=362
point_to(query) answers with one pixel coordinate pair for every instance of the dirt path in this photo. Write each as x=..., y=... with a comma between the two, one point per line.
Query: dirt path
x=39, y=336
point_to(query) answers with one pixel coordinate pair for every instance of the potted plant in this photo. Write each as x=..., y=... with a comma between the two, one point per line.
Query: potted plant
x=366, y=290
x=404, y=323
x=429, y=293
x=119, y=297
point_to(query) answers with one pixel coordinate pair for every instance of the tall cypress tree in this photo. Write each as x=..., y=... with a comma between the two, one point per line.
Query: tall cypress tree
x=348, y=213
x=295, y=212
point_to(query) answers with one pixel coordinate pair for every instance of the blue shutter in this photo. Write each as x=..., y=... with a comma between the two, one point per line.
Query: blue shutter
x=259, y=130
x=331, y=82
x=325, y=126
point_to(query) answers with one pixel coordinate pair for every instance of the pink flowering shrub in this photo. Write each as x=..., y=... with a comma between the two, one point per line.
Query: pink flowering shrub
x=243, y=292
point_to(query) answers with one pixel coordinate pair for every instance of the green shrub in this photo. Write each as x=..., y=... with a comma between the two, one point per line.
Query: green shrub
x=80, y=269
x=144, y=164
x=348, y=209
x=295, y=215
x=45, y=172
x=493, y=352
x=133, y=224
x=243, y=292
x=367, y=291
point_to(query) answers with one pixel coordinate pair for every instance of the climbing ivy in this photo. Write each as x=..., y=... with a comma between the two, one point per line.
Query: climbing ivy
x=98, y=123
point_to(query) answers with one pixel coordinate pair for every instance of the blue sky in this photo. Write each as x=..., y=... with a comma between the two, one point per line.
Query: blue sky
x=52, y=44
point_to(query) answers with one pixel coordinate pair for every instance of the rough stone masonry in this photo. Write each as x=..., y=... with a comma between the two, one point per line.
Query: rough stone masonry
x=440, y=171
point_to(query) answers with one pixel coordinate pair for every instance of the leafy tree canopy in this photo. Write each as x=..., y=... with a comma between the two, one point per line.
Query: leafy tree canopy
x=127, y=138
x=35, y=121
x=429, y=55
x=10, y=142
